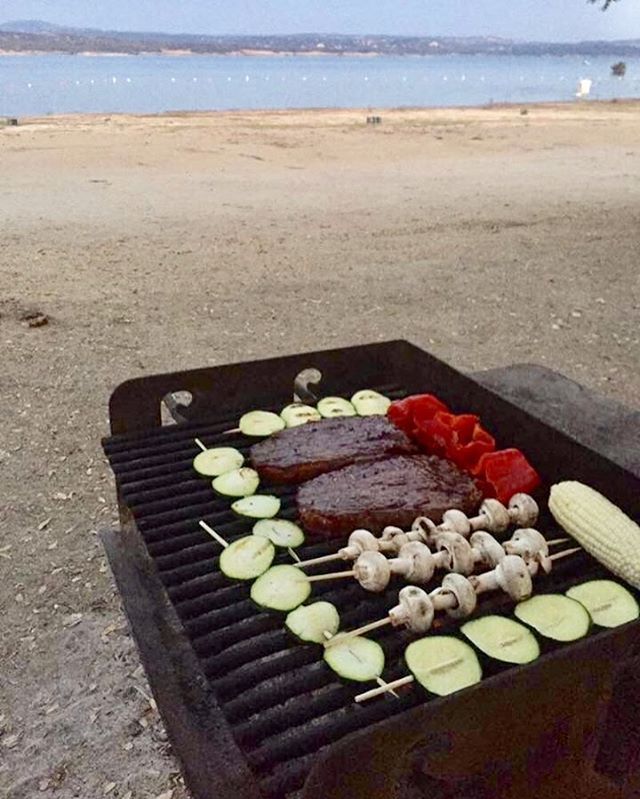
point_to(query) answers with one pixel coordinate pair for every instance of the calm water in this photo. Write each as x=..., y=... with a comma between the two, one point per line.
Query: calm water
x=38, y=85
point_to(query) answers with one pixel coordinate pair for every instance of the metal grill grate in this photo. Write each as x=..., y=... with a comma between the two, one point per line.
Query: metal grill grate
x=281, y=701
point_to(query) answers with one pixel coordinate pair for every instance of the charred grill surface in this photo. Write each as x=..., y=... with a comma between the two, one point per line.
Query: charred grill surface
x=301, y=453
x=392, y=491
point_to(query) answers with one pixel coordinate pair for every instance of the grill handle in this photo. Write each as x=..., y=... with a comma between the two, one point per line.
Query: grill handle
x=302, y=391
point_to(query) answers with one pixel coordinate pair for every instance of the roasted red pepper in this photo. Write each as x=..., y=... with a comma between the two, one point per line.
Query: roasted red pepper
x=436, y=434
x=420, y=407
x=507, y=472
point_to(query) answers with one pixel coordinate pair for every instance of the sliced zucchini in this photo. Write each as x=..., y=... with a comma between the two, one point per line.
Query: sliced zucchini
x=443, y=664
x=260, y=423
x=259, y=506
x=335, y=406
x=502, y=639
x=555, y=616
x=238, y=483
x=298, y=414
x=359, y=659
x=247, y=558
x=217, y=461
x=281, y=588
x=608, y=603
x=310, y=622
x=370, y=403
x=280, y=532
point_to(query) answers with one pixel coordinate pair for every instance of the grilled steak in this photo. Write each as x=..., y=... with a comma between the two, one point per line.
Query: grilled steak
x=300, y=453
x=391, y=491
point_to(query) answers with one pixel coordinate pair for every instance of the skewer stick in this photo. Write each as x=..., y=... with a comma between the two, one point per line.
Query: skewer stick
x=322, y=559
x=316, y=578
x=565, y=553
x=213, y=534
x=200, y=444
x=231, y=432
x=388, y=687
x=294, y=555
x=373, y=625
x=557, y=541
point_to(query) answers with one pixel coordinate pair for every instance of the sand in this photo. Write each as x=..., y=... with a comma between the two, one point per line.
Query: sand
x=486, y=236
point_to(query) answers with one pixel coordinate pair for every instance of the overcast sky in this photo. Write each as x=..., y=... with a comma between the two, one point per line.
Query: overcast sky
x=524, y=19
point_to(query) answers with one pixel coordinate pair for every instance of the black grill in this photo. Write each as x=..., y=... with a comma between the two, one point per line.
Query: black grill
x=284, y=709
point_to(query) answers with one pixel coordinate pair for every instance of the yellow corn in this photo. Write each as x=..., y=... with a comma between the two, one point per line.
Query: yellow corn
x=600, y=527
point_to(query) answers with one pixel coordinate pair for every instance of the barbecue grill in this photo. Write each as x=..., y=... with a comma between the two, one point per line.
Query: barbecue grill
x=250, y=714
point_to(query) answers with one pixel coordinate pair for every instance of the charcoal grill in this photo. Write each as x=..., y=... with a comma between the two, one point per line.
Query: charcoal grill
x=250, y=714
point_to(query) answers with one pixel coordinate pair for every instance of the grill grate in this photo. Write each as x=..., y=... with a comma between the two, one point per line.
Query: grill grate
x=282, y=703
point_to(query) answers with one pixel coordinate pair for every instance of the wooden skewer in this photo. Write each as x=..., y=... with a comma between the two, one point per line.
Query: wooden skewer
x=294, y=555
x=316, y=578
x=322, y=559
x=200, y=444
x=231, y=432
x=388, y=687
x=565, y=553
x=213, y=534
x=340, y=638
x=557, y=541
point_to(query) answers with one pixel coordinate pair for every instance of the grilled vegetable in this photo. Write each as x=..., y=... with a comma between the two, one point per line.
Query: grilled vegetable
x=443, y=664
x=555, y=616
x=281, y=588
x=370, y=403
x=238, y=483
x=217, y=461
x=335, y=406
x=280, y=532
x=358, y=659
x=311, y=622
x=298, y=414
x=608, y=603
x=600, y=527
x=502, y=639
x=259, y=506
x=247, y=558
x=260, y=423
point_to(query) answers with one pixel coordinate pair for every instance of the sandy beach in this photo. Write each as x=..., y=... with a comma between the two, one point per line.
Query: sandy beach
x=151, y=244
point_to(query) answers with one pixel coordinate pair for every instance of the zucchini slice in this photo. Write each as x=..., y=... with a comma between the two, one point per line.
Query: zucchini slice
x=280, y=532
x=555, y=616
x=502, y=639
x=330, y=407
x=359, y=659
x=260, y=423
x=298, y=414
x=443, y=664
x=258, y=506
x=281, y=588
x=310, y=622
x=239, y=483
x=608, y=603
x=370, y=403
x=217, y=461
x=247, y=558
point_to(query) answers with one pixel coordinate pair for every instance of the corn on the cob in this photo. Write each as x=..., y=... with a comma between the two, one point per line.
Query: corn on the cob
x=600, y=527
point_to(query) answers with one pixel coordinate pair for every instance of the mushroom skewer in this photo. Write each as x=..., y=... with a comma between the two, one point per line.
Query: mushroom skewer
x=417, y=564
x=458, y=594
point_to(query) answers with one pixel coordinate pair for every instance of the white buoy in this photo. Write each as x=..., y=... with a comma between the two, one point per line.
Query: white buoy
x=584, y=87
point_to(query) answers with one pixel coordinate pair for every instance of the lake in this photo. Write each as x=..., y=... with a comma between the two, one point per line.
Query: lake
x=57, y=84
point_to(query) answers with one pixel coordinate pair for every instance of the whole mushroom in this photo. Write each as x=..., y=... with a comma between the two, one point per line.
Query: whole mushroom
x=414, y=610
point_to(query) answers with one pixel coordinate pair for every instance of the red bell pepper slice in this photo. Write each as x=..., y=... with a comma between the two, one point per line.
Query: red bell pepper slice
x=436, y=435
x=507, y=472
x=406, y=412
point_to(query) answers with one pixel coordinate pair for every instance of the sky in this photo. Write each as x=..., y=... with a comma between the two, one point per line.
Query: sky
x=549, y=20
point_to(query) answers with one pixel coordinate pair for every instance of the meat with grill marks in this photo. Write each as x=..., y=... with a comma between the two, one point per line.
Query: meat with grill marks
x=301, y=453
x=393, y=491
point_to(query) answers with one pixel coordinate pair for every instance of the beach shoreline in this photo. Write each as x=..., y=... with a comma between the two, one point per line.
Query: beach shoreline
x=145, y=244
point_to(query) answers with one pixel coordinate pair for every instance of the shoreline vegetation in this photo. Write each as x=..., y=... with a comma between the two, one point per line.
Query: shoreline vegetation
x=36, y=38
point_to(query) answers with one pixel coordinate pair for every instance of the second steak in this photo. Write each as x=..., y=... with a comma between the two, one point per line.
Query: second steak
x=389, y=492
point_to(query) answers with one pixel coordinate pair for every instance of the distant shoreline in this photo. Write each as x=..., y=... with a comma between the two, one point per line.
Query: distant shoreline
x=230, y=54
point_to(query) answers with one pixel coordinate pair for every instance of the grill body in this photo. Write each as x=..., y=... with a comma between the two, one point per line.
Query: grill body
x=252, y=714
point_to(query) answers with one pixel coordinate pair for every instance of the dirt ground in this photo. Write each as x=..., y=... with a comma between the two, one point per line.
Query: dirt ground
x=154, y=244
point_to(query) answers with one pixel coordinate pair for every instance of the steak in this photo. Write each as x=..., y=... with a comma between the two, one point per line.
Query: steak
x=300, y=453
x=392, y=491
